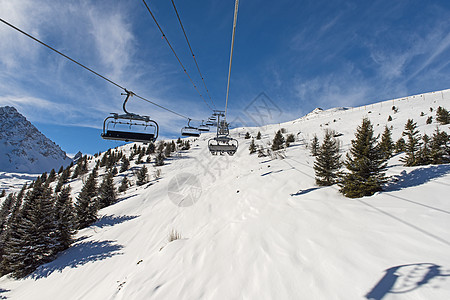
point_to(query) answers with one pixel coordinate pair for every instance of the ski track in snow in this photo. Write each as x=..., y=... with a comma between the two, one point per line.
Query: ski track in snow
x=262, y=229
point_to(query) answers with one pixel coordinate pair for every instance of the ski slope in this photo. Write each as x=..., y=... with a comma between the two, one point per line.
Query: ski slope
x=259, y=228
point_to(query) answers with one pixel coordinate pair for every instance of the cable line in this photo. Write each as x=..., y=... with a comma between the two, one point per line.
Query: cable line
x=171, y=48
x=92, y=71
x=193, y=56
x=231, y=54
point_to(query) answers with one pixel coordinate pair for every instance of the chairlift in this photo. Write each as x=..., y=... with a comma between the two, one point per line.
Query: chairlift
x=222, y=143
x=203, y=127
x=130, y=127
x=190, y=130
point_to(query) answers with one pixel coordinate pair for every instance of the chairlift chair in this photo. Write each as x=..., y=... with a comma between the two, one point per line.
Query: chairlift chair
x=130, y=127
x=203, y=127
x=222, y=143
x=190, y=130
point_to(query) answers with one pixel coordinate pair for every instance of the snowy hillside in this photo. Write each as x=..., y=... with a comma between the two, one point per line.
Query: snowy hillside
x=259, y=228
x=23, y=148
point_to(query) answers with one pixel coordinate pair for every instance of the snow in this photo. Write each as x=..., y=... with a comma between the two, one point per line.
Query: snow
x=259, y=228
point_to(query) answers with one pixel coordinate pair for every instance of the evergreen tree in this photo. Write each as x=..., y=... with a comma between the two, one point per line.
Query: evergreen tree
x=167, y=150
x=151, y=148
x=106, y=191
x=429, y=120
x=142, y=176
x=86, y=206
x=247, y=136
x=63, y=178
x=327, y=163
x=5, y=210
x=389, y=118
x=442, y=116
x=61, y=170
x=32, y=240
x=258, y=136
x=386, y=144
x=290, y=139
x=424, y=155
x=64, y=217
x=173, y=147
x=139, y=160
x=413, y=143
x=159, y=159
x=278, y=141
x=252, y=147
x=160, y=146
x=52, y=176
x=440, y=148
x=125, y=164
x=179, y=141
x=314, y=145
x=186, y=145
x=123, y=185
x=400, y=145
x=3, y=194
x=365, y=164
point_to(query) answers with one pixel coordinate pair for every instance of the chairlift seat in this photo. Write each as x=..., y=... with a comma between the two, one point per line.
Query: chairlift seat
x=128, y=136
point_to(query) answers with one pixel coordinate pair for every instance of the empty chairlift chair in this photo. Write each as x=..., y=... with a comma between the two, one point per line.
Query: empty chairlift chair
x=130, y=127
x=203, y=127
x=222, y=143
x=190, y=131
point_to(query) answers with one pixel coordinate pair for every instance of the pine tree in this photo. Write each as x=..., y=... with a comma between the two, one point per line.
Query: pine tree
x=365, y=164
x=106, y=191
x=400, y=145
x=168, y=150
x=247, y=136
x=123, y=185
x=252, y=147
x=125, y=164
x=3, y=194
x=314, y=145
x=386, y=144
x=139, y=160
x=173, y=147
x=64, y=216
x=159, y=159
x=86, y=206
x=424, y=155
x=142, y=176
x=61, y=170
x=186, y=146
x=413, y=143
x=327, y=163
x=429, y=120
x=258, y=136
x=278, y=141
x=52, y=176
x=442, y=116
x=32, y=240
x=290, y=139
x=440, y=148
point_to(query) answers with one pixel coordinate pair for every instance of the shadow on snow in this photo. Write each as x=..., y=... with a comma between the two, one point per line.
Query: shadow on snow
x=417, y=177
x=78, y=255
x=111, y=220
x=406, y=278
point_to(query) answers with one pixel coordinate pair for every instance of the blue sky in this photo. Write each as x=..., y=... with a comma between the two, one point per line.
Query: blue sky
x=300, y=54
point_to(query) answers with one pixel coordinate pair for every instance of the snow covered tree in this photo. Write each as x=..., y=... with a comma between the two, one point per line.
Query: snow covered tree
x=315, y=145
x=327, y=163
x=123, y=185
x=52, y=176
x=442, y=116
x=168, y=150
x=413, y=143
x=151, y=148
x=258, y=136
x=278, y=141
x=247, y=136
x=32, y=240
x=429, y=120
x=365, y=164
x=252, y=147
x=106, y=191
x=173, y=147
x=64, y=218
x=400, y=145
x=186, y=146
x=3, y=194
x=386, y=144
x=86, y=206
x=142, y=176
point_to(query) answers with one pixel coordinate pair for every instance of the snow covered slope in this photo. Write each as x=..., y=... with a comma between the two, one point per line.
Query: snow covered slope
x=23, y=148
x=259, y=228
